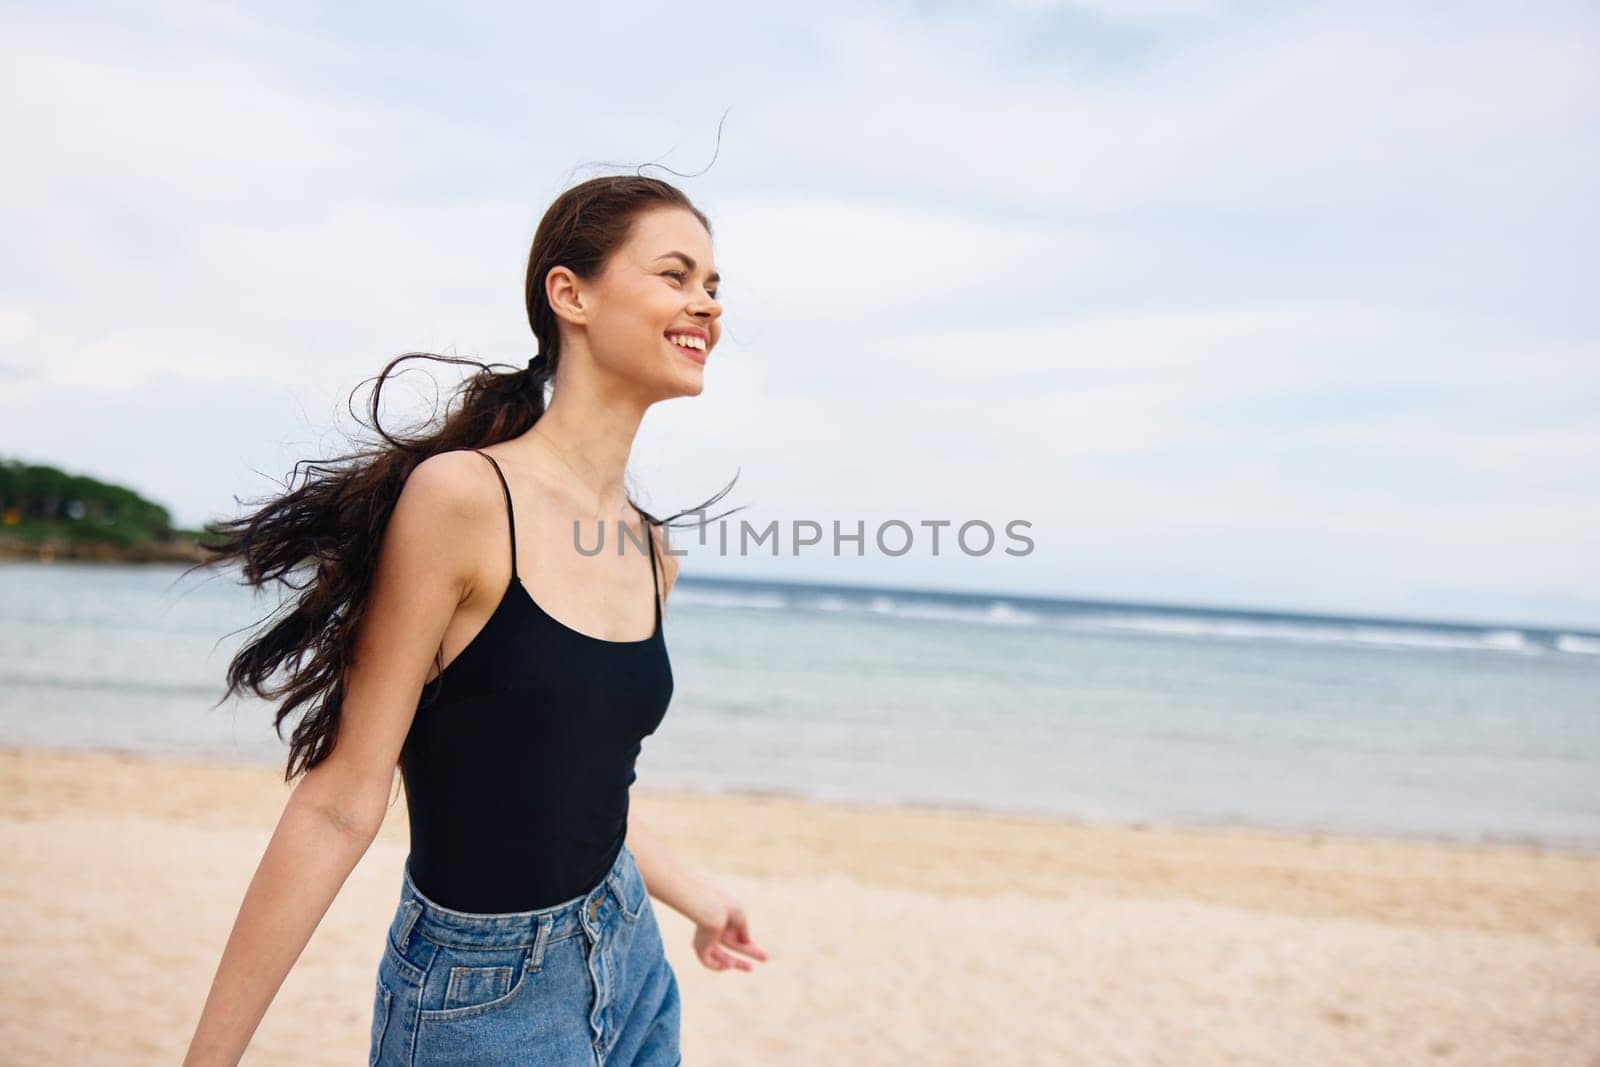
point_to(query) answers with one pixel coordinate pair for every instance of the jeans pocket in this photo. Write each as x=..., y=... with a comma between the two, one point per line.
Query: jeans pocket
x=471, y=986
x=478, y=980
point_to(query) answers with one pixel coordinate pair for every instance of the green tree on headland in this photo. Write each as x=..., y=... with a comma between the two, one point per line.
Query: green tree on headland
x=46, y=511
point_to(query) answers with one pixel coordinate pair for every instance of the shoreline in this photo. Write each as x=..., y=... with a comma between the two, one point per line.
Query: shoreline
x=953, y=850
x=941, y=809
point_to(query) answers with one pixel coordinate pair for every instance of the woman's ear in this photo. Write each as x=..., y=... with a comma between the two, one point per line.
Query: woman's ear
x=565, y=293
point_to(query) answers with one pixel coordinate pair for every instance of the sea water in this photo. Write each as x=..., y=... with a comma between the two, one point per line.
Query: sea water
x=1098, y=711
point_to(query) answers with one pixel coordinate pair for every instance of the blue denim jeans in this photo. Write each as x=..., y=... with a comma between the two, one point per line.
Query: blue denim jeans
x=585, y=982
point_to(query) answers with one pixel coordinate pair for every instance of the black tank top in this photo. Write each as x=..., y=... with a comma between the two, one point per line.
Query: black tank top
x=519, y=759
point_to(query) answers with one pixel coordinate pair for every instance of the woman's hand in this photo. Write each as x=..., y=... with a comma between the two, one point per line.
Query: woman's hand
x=726, y=929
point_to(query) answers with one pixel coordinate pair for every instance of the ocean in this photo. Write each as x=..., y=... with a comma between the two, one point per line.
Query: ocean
x=1098, y=711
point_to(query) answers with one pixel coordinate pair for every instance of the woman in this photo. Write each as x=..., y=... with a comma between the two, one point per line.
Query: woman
x=452, y=625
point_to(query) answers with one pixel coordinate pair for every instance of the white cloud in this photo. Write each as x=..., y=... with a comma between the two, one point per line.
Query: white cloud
x=15, y=325
x=1285, y=306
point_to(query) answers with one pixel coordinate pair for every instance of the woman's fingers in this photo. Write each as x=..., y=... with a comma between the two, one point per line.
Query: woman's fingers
x=728, y=960
x=735, y=935
x=738, y=937
x=750, y=948
x=718, y=960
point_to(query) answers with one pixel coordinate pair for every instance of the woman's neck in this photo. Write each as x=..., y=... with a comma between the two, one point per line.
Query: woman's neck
x=589, y=443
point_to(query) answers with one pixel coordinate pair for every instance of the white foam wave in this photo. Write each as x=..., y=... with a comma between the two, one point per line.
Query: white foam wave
x=995, y=613
x=1365, y=634
x=1578, y=644
x=718, y=599
x=1001, y=612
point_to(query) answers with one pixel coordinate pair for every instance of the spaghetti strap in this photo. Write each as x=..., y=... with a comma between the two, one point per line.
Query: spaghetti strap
x=510, y=517
x=655, y=581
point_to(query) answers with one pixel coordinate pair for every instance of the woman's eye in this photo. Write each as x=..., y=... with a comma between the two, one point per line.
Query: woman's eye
x=680, y=275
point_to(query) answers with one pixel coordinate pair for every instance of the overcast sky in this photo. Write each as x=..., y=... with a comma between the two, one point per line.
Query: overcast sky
x=1273, y=306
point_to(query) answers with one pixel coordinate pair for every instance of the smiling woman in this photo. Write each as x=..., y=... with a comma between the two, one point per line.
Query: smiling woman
x=524, y=928
x=659, y=289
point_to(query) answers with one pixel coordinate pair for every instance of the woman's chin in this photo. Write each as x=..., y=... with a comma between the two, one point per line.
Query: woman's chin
x=685, y=383
x=694, y=385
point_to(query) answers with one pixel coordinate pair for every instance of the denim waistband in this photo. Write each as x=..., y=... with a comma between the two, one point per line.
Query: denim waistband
x=447, y=926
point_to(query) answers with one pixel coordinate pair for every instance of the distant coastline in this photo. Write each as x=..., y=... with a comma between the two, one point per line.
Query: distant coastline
x=182, y=547
x=49, y=514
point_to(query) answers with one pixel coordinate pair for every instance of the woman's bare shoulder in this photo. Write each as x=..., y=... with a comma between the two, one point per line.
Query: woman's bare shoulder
x=452, y=505
x=454, y=483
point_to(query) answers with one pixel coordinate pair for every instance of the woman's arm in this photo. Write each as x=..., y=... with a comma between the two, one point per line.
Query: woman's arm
x=426, y=570
x=721, y=929
x=719, y=919
x=672, y=881
x=310, y=855
x=668, y=878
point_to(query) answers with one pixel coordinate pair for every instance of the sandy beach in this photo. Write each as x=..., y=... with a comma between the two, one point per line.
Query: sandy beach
x=897, y=936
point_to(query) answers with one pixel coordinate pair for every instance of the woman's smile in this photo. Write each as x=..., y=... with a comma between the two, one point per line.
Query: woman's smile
x=684, y=342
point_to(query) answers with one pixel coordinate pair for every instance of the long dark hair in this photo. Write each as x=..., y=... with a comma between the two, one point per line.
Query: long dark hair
x=332, y=524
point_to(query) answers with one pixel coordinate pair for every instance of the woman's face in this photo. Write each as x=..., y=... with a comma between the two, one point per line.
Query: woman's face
x=662, y=284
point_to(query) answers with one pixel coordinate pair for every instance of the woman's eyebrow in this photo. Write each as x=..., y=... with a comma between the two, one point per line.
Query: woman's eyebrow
x=688, y=261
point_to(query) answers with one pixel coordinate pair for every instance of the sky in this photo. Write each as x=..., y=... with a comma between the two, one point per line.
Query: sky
x=1268, y=306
